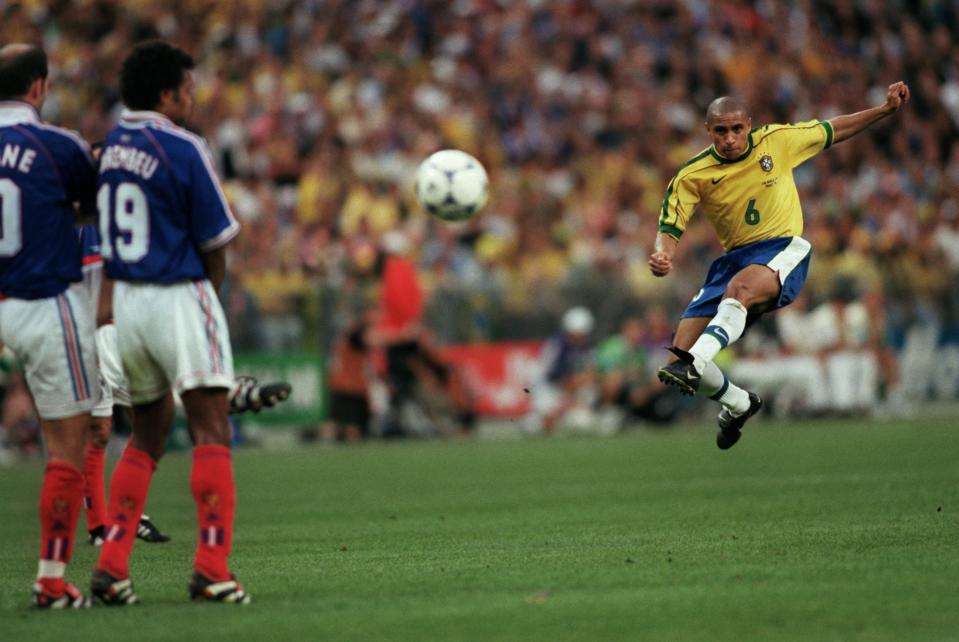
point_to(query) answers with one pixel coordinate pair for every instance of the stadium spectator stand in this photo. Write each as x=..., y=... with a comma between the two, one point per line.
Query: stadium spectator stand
x=319, y=112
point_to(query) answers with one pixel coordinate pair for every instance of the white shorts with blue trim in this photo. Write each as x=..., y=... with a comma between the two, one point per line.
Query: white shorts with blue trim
x=53, y=339
x=171, y=336
x=113, y=383
x=788, y=256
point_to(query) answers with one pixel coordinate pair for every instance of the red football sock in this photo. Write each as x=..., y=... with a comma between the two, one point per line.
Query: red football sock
x=128, y=494
x=60, y=500
x=94, y=501
x=215, y=494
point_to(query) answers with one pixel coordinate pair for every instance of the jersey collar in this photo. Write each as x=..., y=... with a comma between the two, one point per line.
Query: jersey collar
x=724, y=160
x=14, y=112
x=134, y=116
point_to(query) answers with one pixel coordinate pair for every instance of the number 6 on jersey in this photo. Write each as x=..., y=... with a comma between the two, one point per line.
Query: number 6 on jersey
x=752, y=214
x=132, y=216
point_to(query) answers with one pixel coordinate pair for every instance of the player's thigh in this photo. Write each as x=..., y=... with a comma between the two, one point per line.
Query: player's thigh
x=111, y=368
x=688, y=331
x=172, y=336
x=53, y=339
x=206, y=413
x=755, y=286
x=139, y=336
x=200, y=355
x=104, y=407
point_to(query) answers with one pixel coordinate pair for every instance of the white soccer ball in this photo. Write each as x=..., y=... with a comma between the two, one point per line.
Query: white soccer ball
x=452, y=185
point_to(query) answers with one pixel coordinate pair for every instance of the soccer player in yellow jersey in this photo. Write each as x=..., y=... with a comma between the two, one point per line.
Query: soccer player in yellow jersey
x=744, y=185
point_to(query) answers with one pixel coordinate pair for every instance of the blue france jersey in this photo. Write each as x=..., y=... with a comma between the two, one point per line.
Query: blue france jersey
x=161, y=205
x=45, y=173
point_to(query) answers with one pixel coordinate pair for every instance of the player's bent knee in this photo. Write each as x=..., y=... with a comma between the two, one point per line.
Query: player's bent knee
x=751, y=295
x=153, y=445
x=100, y=431
x=99, y=439
x=66, y=439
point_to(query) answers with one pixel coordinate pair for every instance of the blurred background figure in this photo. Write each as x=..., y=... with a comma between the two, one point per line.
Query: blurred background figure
x=563, y=390
x=21, y=425
x=843, y=330
x=629, y=389
x=399, y=326
x=444, y=399
x=348, y=381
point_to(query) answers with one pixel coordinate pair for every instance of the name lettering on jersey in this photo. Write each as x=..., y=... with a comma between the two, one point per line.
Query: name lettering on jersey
x=13, y=158
x=129, y=159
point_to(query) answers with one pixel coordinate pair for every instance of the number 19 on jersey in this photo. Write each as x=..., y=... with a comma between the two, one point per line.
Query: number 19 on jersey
x=131, y=214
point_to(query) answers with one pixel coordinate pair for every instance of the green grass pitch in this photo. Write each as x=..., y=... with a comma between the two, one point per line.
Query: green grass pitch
x=822, y=531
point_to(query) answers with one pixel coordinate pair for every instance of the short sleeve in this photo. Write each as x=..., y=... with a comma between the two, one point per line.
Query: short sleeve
x=679, y=204
x=212, y=224
x=805, y=140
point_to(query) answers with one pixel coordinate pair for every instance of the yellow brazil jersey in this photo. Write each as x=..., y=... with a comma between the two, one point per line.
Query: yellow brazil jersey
x=751, y=198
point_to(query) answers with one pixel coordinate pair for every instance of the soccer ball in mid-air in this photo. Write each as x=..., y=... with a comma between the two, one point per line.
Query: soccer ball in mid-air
x=451, y=185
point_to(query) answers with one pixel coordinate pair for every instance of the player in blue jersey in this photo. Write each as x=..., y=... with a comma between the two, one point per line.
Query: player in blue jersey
x=164, y=225
x=112, y=392
x=46, y=174
x=96, y=291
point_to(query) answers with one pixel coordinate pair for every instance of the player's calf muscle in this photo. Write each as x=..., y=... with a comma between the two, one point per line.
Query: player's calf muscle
x=687, y=332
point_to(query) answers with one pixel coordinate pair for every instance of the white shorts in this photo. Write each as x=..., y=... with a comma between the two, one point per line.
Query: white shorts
x=171, y=336
x=113, y=383
x=53, y=338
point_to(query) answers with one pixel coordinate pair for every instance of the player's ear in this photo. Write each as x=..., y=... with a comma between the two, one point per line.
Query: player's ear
x=167, y=96
x=38, y=90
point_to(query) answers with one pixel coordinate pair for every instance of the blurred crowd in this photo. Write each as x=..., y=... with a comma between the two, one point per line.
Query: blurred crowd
x=319, y=112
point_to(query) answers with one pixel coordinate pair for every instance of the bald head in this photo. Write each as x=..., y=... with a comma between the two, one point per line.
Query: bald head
x=21, y=65
x=726, y=106
x=728, y=123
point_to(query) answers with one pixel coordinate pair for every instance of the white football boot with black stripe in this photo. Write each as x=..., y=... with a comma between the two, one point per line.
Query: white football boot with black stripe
x=248, y=395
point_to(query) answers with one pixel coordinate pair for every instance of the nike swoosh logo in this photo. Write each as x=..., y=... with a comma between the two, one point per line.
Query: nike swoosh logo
x=716, y=180
x=691, y=374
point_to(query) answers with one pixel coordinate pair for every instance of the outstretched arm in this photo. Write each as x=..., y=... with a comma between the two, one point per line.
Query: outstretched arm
x=851, y=124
